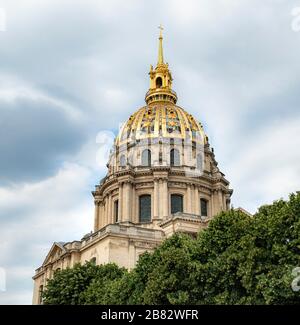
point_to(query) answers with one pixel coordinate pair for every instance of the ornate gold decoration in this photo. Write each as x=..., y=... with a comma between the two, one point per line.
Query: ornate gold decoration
x=161, y=116
x=160, y=79
x=166, y=120
x=160, y=60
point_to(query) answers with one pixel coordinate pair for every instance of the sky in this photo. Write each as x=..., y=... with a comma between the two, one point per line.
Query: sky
x=71, y=71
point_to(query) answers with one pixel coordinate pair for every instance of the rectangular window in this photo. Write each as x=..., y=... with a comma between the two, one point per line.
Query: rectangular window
x=145, y=208
x=176, y=203
x=116, y=211
x=203, y=205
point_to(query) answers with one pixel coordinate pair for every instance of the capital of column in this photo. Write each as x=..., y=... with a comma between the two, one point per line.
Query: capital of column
x=98, y=201
x=160, y=173
x=160, y=178
x=126, y=181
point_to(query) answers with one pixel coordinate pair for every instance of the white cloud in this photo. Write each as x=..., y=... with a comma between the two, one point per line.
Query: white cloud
x=14, y=89
x=266, y=165
x=94, y=154
x=68, y=178
x=192, y=11
x=35, y=215
x=23, y=297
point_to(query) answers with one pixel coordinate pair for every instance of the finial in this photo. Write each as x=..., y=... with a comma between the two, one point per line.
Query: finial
x=160, y=89
x=161, y=29
x=160, y=47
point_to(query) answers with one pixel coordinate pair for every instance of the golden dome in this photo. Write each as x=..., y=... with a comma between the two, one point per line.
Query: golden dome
x=161, y=120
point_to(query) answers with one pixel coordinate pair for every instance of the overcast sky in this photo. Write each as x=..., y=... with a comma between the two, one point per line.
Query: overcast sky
x=71, y=69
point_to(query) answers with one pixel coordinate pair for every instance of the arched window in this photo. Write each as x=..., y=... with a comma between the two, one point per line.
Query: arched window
x=199, y=162
x=116, y=210
x=146, y=157
x=158, y=82
x=203, y=207
x=174, y=157
x=122, y=161
x=176, y=203
x=145, y=208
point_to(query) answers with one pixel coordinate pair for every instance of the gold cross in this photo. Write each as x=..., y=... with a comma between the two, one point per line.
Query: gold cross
x=161, y=29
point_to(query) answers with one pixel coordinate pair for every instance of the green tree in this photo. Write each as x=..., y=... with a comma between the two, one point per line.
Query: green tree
x=168, y=281
x=249, y=260
x=99, y=291
x=68, y=286
x=276, y=236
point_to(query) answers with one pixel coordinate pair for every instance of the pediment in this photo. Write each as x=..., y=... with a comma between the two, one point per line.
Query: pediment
x=55, y=252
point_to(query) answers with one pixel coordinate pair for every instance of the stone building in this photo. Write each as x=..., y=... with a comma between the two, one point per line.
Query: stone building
x=162, y=178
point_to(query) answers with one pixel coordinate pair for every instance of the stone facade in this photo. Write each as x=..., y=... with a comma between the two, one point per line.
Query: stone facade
x=163, y=155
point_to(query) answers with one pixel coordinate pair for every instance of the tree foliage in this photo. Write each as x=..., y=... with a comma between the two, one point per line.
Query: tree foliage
x=238, y=259
x=77, y=285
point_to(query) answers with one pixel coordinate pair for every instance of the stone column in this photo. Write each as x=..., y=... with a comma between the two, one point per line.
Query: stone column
x=133, y=208
x=96, y=217
x=156, y=199
x=196, y=201
x=101, y=215
x=188, y=208
x=224, y=202
x=214, y=209
x=106, y=211
x=165, y=198
x=210, y=206
x=127, y=201
x=109, y=213
x=160, y=195
x=120, y=208
x=220, y=200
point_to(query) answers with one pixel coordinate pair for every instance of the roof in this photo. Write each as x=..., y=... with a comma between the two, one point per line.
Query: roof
x=166, y=120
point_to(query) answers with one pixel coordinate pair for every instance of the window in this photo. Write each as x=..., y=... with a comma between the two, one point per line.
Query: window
x=146, y=157
x=174, y=157
x=199, y=162
x=145, y=208
x=93, y=260
x=116, y=210
x=203, y=205
x=158, y=82
x=176, y=203
x=40, y=301
x=122, y=161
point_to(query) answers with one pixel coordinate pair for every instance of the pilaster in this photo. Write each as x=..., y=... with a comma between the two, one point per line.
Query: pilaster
x=96, y=216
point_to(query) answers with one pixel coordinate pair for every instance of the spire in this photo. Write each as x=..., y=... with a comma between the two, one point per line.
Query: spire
x=160, y=79
x=160, y=47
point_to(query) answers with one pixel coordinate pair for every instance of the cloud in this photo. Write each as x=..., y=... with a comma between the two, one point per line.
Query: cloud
x=59, y=208
x=266, y=165
x=13, y=91
x=36, y=133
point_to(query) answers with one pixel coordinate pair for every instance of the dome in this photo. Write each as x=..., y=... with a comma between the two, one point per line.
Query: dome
x=161, y=119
